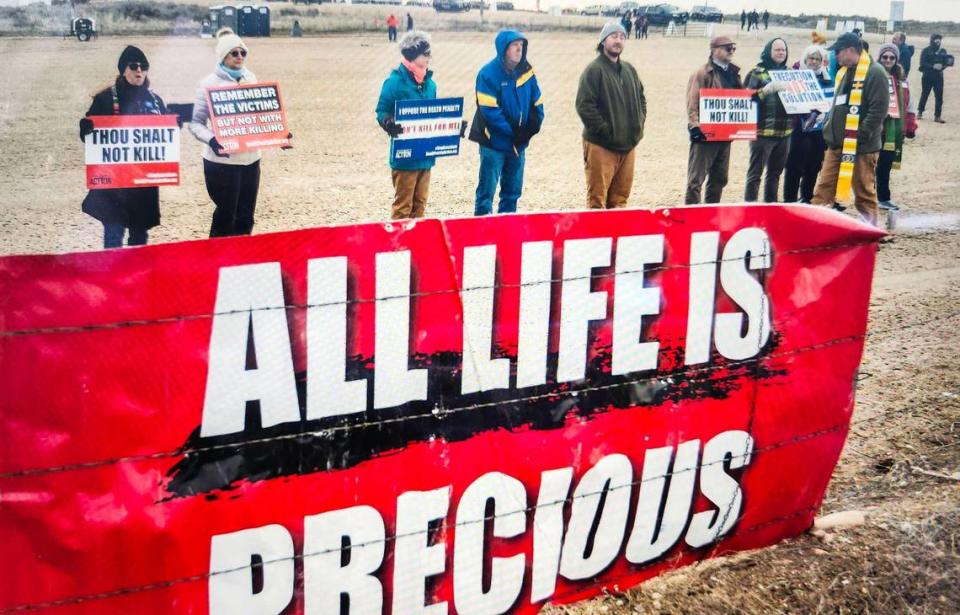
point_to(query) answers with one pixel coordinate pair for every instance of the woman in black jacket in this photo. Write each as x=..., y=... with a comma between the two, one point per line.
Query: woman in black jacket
x=119, y=209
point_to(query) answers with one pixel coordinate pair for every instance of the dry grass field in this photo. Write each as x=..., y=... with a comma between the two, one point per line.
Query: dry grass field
x=903, y=454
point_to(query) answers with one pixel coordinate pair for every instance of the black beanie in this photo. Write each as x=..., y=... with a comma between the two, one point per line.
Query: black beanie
x=411, y=53
x=130, y=54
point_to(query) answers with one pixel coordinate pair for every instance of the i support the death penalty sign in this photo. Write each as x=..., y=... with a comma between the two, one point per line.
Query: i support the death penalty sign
x=728, y=115
x=431, y=128
x=470, y=416
x=132, y=151
x=248, y=117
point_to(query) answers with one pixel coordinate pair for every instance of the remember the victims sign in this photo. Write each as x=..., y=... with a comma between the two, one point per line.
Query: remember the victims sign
x=248, y=117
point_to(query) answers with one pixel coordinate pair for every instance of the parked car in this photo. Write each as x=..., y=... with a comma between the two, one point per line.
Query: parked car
x=662, y=14
x=426, y=3
x=504, y=6
x=706, y=13
x=609, y=10
x=479, y=4
x=626, y=7
x=451, y=6
x=593, y=9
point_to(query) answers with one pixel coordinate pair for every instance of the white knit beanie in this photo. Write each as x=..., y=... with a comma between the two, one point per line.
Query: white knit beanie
x=227, y=41
x=609, y=28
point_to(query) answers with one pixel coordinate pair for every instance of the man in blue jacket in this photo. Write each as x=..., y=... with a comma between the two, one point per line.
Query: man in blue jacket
x=509, y=114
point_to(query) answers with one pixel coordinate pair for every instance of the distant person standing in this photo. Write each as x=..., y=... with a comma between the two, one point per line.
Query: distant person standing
x=391, y=28
x=627, y=23
x=769, y=152
x=754, y=20
x=613, y=109
x=895, y=128
x=766, y=20
x=409, y=23
x=933, y=60
x=125, y=209
x=411, y=80
x=509, y=114
x=906, y=52
x=862, y=92
x=743, y=19
x=645, y=26
x=709, y=160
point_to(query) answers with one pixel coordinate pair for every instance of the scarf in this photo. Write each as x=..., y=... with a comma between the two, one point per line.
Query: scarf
x=893, y=126
x=235, y=73
x=419, y=74
x=848, y=157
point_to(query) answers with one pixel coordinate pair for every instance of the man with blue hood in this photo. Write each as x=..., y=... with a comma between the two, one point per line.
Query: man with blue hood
x=509, y=113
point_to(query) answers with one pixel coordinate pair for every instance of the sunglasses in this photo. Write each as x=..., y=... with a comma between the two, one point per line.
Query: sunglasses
x=729, y=48
x=239, y=53
x=135, y=66
x=887, y=56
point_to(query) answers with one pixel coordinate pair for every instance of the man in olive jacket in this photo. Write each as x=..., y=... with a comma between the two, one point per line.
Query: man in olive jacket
x=874, y=106
x=612, y=107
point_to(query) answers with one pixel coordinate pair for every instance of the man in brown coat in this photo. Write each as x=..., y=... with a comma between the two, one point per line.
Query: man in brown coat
x=709, y=160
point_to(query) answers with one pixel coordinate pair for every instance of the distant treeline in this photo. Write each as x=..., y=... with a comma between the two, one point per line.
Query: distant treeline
x=871, y=24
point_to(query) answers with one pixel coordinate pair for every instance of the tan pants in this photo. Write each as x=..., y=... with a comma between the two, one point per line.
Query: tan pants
x=412, y=189
x=864, y=183
x=609, y=176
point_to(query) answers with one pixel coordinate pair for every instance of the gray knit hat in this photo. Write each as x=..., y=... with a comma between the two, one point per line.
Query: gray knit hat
x=891, y=48
x=609, y=28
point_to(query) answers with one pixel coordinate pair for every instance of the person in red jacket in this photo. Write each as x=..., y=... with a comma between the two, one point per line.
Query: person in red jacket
x=392, y=28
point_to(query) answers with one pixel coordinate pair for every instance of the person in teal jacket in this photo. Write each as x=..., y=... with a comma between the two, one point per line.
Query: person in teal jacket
x=412, y=80
x=509, y=114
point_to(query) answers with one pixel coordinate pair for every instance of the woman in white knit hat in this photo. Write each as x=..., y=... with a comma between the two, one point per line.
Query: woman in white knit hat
x=233, y=180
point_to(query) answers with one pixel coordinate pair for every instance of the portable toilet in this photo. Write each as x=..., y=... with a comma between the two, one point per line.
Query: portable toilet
x=249, y=21
x=206, y=28
x=213, y=16
x=228, y=18
x=264, y=20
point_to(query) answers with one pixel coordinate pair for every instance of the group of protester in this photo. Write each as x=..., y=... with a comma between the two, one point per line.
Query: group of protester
x=634, y=20
x=751, y=20
x=856, y=144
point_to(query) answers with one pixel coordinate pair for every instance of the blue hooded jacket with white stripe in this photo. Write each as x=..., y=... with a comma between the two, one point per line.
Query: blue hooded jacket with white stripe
x=509, y=103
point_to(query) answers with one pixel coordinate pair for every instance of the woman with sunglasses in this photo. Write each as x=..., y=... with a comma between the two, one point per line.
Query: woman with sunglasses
x=123, y=209
x=894, y=128
x=806, y=144
x=233, y=180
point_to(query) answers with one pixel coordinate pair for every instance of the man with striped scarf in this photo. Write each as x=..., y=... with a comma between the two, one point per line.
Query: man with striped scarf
x=854, y=130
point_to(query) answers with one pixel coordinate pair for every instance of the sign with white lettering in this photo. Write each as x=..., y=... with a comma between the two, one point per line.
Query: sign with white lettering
x=431, y=129
x=728, y=115
x=250, y=116
x=480, y=415
x=132, y=151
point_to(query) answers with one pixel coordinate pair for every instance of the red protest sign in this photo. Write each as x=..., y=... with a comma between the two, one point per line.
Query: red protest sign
x=567, y=401
x=132, y=151
x=248, y=117
x=728, y=115
x=894, y=109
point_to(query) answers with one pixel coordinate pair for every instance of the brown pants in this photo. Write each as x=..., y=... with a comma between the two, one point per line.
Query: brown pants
x=412, y=189
x=864, y=183
x=609, y=176
x=708, y=161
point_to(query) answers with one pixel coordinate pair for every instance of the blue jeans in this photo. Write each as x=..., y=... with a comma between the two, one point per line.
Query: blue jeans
x=505, y=169
x=113, y=235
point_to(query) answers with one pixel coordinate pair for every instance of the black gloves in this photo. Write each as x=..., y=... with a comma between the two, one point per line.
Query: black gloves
x=463, y=129
x=696, y=135
x=391, y=128
x=288, y=145
x=521, y=138
x=217, y=148
x=86, y=127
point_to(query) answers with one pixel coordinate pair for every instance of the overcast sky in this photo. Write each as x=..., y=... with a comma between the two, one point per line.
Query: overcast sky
x=923, y=10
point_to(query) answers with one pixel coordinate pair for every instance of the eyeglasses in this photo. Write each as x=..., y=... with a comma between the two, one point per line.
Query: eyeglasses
x=887, y=56
x=239, y=53
x=730, y=48
x=135, y=66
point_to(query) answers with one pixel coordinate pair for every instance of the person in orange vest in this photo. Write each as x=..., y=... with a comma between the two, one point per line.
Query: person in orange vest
x=392, y=28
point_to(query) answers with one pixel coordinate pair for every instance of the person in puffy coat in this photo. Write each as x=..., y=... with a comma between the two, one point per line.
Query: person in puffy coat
x=411, y=80
x=233, y=180
x=125, y=209
x=509, y=114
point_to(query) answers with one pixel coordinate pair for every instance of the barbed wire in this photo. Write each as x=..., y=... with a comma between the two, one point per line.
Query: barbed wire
x=412, y=295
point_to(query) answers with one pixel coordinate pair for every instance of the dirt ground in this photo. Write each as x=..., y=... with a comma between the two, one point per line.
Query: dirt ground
x=903, y=454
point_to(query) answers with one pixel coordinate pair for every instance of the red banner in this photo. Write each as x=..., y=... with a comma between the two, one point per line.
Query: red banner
x=479, y=415
x=132, y=151
x=728, y=115
x=248, y=117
